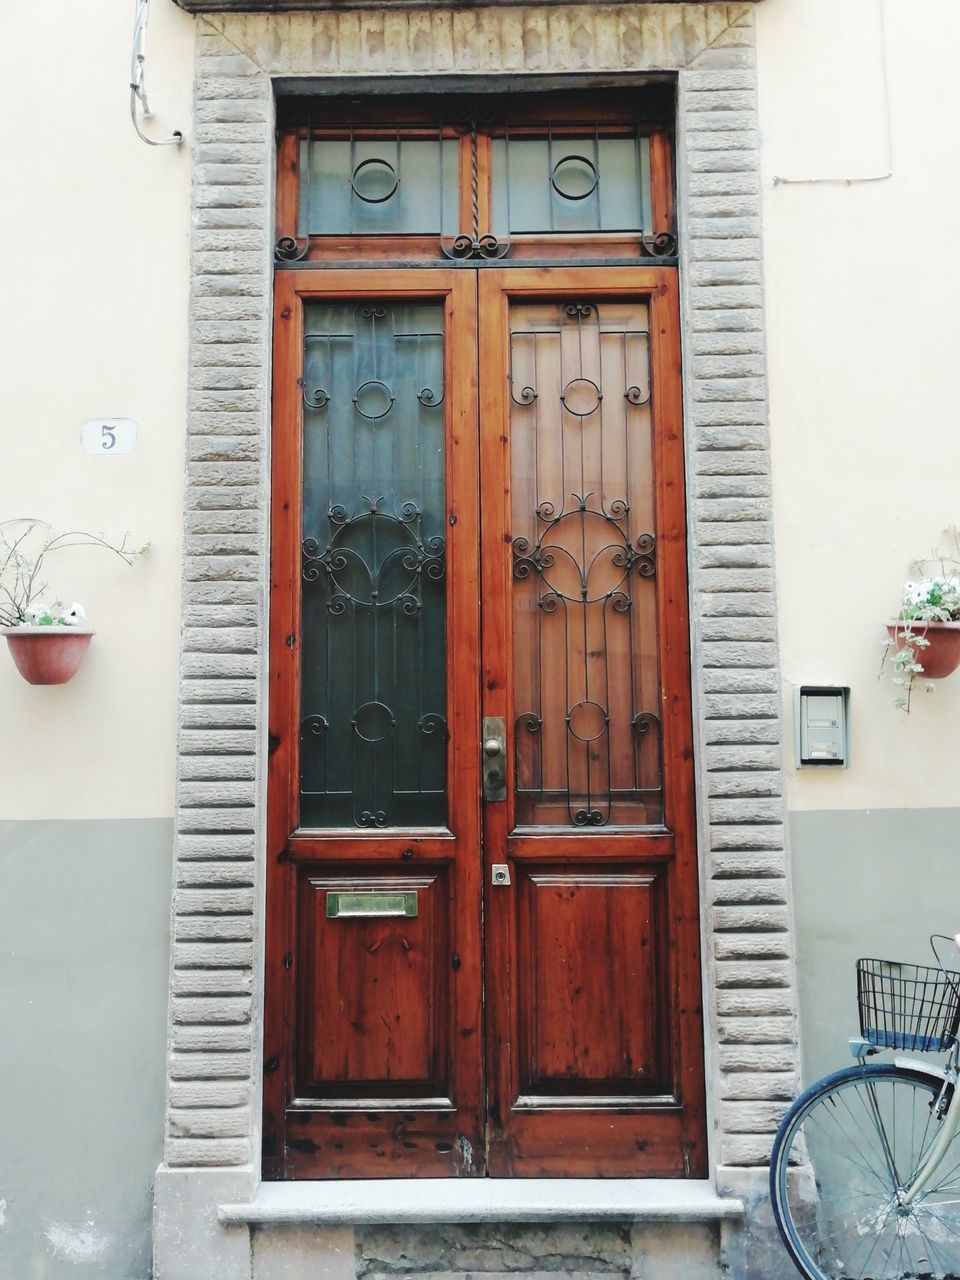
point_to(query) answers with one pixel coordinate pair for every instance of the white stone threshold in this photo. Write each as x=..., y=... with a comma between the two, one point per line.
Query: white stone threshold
x=481, y=1200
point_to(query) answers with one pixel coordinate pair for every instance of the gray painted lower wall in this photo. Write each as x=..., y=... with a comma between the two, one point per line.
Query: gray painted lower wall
x=83, y=908
x=866, y=883
x=84, y=956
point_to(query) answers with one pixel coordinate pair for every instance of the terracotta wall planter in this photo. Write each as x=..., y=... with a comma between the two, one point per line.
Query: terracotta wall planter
x=48, y=655
x=941, y=656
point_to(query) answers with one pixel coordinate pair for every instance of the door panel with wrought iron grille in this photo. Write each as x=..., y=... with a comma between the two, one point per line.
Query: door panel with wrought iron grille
x=591, y=930
x=586, y=674
x=373, y=652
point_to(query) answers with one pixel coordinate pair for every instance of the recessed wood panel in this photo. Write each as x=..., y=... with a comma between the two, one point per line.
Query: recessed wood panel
x=374, y=994
x=592, y=983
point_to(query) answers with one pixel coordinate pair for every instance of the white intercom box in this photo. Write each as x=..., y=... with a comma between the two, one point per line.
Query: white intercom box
x=820, y=721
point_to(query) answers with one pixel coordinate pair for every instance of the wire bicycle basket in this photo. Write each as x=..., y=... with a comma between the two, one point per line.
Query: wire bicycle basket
x=908, y=1006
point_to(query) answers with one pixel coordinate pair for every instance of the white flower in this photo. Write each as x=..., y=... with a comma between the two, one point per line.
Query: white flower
x=935, y=592
x=36, y=610
x=73, y=616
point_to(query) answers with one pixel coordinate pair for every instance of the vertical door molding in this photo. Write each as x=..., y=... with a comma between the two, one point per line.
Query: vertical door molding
x=214, y=1063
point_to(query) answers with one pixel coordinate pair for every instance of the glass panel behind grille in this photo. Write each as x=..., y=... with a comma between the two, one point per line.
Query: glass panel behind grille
x=586, y=677
x=373, y=664
x=379, y=186
x=577, y=183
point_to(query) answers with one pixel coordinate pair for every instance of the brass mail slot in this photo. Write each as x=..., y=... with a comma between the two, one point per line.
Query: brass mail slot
x=340, y=905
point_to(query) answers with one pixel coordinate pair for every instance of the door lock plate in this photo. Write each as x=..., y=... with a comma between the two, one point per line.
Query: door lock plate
x=500, y=873
x=493, y=755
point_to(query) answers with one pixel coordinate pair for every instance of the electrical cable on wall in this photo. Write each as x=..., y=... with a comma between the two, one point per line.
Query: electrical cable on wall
x=138, y=92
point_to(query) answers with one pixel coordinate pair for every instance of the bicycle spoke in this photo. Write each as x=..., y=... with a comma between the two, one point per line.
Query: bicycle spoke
x=874, y=1112
x=912, y=1263
x=873, y=1249
x=845, y=1154
x=944, y=1224
x=951, y=1173
x=893, y=1245
x=932, y=1251
x=874, y=1116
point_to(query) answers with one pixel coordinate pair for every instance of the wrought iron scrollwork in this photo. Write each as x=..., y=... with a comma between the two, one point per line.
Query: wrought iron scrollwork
x=368, y=819
x=474, y=245
x=660, y=244
x=318, y=398
x=563, y=177
x=291, y=249
x=373, y=185
x=486, y=246
x=645, y=555
x=374, y=561
x=374, y=167
x=607, y=564
x=390, y=574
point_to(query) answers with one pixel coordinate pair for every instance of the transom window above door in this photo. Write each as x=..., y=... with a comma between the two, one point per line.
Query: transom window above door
x=478, y=179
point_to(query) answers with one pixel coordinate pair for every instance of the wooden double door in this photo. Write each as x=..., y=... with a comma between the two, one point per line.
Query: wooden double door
x=483, y=937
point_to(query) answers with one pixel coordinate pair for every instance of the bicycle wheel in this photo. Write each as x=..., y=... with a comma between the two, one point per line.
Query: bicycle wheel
x=841, y=1153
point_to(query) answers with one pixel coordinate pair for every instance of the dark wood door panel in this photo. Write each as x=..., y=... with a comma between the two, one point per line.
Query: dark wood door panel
x=593, y=984
x=394, y=1142
x=587, y=1143
x=378, y=1030
x=375, y=989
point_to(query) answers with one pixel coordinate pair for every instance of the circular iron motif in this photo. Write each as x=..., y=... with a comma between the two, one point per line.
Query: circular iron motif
x=373, y=721
x=587, y=721
x=581, y=397
x=374, y=181
x=374, y=400
x=574, y=177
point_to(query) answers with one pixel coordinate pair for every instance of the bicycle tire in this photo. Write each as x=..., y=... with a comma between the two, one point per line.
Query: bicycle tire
x=833, y=1183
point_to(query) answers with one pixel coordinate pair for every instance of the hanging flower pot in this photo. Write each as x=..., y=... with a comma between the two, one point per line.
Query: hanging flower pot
x=48, y=654
x=940, y=656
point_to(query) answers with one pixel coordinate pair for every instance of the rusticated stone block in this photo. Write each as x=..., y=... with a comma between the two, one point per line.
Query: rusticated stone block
x=498, y=1249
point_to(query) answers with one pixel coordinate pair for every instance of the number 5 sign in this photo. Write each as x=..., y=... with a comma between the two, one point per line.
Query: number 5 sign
x=109, y=436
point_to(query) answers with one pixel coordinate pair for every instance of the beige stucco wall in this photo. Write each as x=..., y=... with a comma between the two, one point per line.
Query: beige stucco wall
x=94, y=230
x=860, y=280
x=858, y=277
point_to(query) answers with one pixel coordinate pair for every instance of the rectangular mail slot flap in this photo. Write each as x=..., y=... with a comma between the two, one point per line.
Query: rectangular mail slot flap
x=366, y=904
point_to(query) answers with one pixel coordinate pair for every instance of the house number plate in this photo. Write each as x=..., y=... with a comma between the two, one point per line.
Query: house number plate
x=108, y=437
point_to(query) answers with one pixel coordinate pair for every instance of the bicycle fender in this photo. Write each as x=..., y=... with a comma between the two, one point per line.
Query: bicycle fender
x=924, y=1068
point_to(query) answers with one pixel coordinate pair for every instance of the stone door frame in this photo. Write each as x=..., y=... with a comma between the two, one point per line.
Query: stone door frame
x=216, y=976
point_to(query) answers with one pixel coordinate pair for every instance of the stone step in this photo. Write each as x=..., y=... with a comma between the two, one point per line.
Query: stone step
x=490, y=1251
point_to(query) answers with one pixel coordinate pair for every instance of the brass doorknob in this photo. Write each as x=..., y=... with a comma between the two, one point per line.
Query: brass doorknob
x=491, y=746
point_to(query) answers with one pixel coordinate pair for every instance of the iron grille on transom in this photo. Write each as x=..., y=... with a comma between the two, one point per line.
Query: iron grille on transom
x=480, y=179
